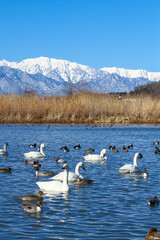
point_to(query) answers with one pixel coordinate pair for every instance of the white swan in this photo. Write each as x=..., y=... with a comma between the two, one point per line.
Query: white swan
x=4, y=150
x=56, y=186
x=71, y=175
x=131, y=168
x=96, y=157
x=35, y=154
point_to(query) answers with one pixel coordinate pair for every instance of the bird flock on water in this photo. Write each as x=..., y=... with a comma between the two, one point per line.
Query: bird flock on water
x=60, y=182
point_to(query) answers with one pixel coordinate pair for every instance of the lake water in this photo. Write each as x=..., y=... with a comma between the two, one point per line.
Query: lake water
x=114, y=207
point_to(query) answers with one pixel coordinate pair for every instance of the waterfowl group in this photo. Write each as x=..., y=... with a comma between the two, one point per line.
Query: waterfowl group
x=72, y=176
x=56, y=186
x=36, y=154
x=60, y=182
x=131, y=168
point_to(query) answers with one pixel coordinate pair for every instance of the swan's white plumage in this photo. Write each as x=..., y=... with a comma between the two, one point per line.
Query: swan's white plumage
x=96, y=157
x=131, y=168
x=72, y=176
x=56, y=186
x=34, y=154
x=4, y=150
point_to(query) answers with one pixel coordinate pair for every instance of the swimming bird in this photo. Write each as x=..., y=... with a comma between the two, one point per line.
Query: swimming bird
x=96, y=157
x=144, y=173
x=33, y=163
x=56, y=186
x=4, y=150
x=32, y=197
x=153, y=201
x=131, y=168
x=77, y=146
x=43, y=174
x=156, y=143
x=83, y=181
x=32, y=208
x=5, y=170
x=114, y=149
x=32, y=145
x=72, y=176
x=35, y=154
x=59, y=160
x=65, y=149
x=90, y=150
x=153, y=234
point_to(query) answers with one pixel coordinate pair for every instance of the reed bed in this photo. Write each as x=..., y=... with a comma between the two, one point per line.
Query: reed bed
x=81, y=108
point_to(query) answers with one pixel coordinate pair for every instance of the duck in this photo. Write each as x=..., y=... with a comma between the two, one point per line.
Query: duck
x=33, y=163
x=65, y=149
x=130, y=146
x=56, y=186
x=35, y=154
x=59, y=160
x=96, y=157
x=90, y=150
x=80, y=181
x=32, y=145
x=32, y=208
x=43, y=174
x=32, y=197
x=114, y=149
x=72, y=176
x=131, y=168
x=144, y=173
x=77, y=146
x=5, y=170
x=4, y=150
x=125, y=150
x=153, y=234
x=156, y=143
x=153, y=201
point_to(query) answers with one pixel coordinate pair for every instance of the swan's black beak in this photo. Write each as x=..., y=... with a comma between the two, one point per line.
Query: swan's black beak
x=84, y=168
x=140, y=155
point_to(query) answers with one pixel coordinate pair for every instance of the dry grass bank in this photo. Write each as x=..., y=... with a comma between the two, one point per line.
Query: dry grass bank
x=80, y=109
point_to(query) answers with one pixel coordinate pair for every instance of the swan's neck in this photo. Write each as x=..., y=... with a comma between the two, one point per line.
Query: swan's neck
x=135, y=160
x=102, y=154
x=77, y=170
x=41, y=151
x=5, y=147
x=65, y=179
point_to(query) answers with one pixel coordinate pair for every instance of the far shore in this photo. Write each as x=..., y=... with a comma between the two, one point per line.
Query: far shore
x=80, y=109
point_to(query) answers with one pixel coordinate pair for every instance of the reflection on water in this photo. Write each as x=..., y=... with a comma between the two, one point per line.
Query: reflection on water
x=113, y=207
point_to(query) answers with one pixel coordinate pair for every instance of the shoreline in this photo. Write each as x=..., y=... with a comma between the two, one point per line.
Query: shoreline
x=83, y=109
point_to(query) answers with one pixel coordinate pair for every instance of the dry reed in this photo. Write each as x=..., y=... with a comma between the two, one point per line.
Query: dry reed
x=84, y=108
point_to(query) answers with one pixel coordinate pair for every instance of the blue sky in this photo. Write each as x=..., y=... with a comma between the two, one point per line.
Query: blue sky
x=98, y=33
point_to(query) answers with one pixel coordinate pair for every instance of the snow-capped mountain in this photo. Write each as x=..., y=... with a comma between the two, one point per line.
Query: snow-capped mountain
x=51, y=76
x=152, y=76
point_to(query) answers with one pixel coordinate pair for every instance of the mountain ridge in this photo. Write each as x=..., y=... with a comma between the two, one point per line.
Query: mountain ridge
x=56, y=74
